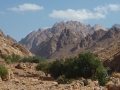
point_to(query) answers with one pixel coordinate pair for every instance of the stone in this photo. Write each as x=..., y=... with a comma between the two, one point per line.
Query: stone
x=20, y=66
x=16, y=80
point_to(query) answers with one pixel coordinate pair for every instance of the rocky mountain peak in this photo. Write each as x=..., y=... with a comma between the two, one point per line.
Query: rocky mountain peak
x=97, y=27
x=116, y=25
x=40, y=29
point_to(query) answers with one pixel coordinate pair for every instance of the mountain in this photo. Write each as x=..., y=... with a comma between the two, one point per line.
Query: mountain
x=116, y=25
x=35, y=38
x=9, y=46
x=59, y=46
x=69, y=43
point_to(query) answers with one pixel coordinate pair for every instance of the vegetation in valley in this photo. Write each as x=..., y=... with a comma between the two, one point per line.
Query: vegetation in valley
x=84, y=65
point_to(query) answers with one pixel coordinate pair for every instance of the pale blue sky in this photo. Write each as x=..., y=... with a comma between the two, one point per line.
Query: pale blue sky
x=20, y=17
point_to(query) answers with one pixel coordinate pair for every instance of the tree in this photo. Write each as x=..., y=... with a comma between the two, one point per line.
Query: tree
x=84, y=65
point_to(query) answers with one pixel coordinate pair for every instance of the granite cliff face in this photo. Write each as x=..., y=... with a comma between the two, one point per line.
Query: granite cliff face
x=35, y=38
x=8, y=46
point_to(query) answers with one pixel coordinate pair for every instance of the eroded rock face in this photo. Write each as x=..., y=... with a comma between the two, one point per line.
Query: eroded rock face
x=9, y=46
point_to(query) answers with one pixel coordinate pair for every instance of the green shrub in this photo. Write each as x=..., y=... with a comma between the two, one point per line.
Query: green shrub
x=101, y=75
x=56, y=68
x=11, y=58
x=8, y=61
x=85, y=82
x=43, y=66
x=62, y=79
x=3, y=71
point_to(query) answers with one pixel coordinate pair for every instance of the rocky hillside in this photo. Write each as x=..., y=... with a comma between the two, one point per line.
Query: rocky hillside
x=35, y=38
x=8, y=46
x=110, y=56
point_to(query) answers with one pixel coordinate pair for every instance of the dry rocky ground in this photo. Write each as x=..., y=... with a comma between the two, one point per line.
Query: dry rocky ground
x=23, y=76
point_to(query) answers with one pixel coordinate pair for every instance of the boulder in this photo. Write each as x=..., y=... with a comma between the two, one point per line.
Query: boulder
x=20, y=66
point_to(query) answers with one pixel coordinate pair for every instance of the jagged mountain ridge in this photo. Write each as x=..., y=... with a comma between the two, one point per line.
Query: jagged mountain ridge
x=32, y=40
x=67, y=45
x=9, y=46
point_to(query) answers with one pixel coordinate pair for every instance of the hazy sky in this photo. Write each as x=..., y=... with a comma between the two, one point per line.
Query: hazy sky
x=20, y=17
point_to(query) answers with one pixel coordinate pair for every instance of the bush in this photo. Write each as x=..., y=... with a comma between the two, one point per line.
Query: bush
x=8, y=61
x=11, y=58
x=33, y=59
x=43, y=66
x=85, y=82
x=56, y=68
x=3, y=72
x=101, y=75
x=62, y=79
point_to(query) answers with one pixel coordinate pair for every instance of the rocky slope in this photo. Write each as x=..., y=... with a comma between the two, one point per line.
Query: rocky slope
x=32, y=40
x=8, y=46
x=110, y=56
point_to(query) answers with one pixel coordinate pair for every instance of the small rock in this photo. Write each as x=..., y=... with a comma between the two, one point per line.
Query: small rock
x=16, y=80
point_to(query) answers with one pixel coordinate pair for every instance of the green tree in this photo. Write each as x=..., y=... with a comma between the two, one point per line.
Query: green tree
x=88, y=64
